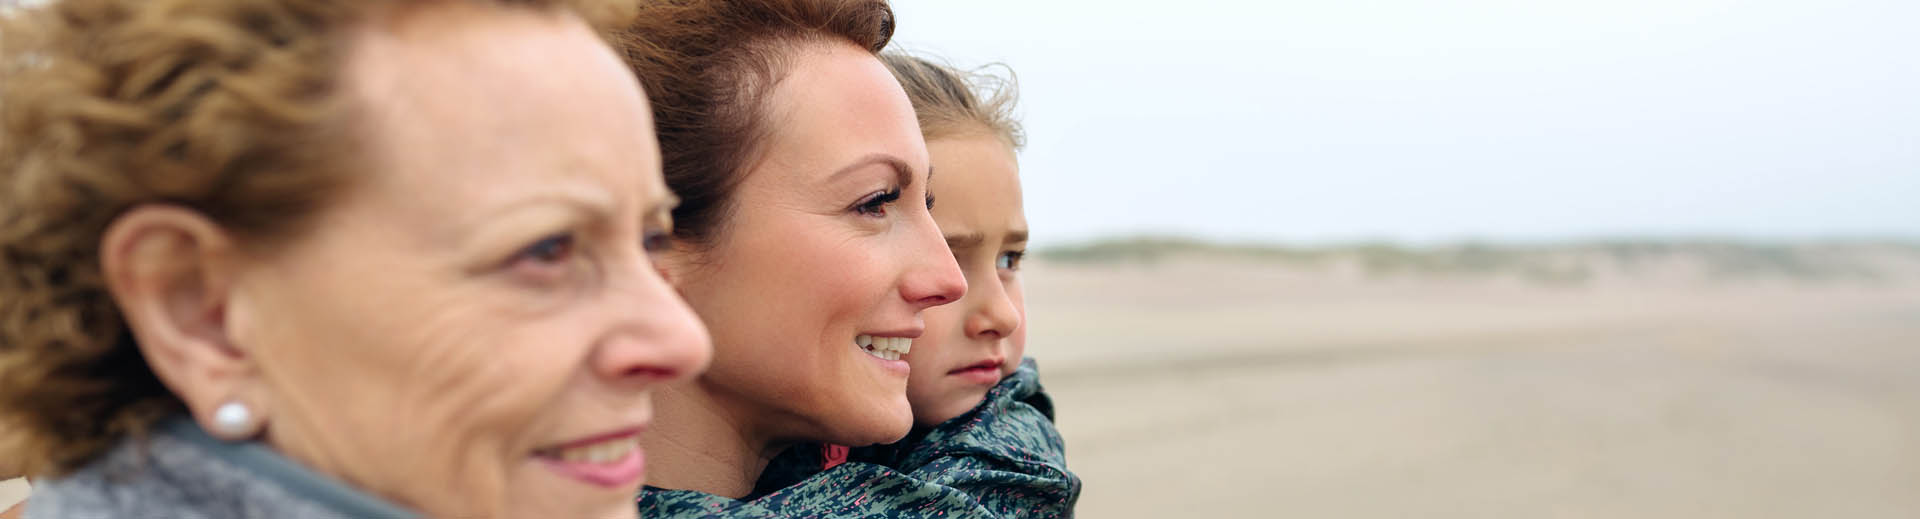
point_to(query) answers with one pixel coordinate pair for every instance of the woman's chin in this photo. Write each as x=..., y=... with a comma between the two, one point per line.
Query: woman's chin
x=889, y=423
x=550, y=493
x=621, y=507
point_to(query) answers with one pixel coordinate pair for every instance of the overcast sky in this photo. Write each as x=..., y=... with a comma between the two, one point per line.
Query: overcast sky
x=1435, y=120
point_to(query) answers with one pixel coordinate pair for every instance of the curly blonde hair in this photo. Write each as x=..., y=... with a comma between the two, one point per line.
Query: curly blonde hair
x=227, y=107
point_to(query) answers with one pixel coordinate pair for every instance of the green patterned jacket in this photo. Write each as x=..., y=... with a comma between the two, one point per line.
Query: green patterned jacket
x=1003, y=459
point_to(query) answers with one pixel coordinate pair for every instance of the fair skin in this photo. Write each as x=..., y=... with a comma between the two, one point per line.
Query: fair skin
x=475, y=312
x=9, y=471
x=828, y=239
x=971, y=344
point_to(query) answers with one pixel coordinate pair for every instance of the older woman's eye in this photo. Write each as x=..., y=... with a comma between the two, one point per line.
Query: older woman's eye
x=551, y=250
x=876, y=204
x=1010, y=260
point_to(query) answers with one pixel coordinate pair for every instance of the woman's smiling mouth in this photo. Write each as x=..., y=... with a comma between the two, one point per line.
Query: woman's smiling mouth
x=612, y=460
x=887, y=348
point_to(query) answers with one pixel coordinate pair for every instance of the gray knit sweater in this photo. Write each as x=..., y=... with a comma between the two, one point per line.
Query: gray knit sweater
x=180, y=472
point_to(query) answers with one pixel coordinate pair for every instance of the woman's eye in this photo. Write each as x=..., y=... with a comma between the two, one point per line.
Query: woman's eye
x=551, y=250
x=876, y=204
x=1010, y=260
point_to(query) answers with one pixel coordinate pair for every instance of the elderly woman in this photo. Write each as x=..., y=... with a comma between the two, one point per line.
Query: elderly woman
x=305, y=258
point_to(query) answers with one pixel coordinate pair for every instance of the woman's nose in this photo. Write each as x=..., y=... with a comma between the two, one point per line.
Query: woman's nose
x=934, y=277
x=658, y=337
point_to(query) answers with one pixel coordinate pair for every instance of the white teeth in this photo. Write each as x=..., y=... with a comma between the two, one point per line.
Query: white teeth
x=598, y=453
x=890, y=348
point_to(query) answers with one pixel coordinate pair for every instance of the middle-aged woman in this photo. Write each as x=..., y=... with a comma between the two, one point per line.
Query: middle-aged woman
x=330, y=258
x=805, y=243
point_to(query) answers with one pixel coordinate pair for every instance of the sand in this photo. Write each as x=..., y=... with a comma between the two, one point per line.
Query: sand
x=1210, y=387
x=1224, y=388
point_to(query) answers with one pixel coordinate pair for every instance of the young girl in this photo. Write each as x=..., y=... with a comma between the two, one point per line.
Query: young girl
x=982, y=424
x=970, y=345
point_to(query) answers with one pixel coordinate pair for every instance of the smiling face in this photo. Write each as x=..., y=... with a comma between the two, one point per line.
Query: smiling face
x=828, y=244
x=472, y=328
x=971, y=344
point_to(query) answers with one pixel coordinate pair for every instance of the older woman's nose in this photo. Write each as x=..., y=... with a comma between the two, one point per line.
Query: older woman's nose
x=657, y=338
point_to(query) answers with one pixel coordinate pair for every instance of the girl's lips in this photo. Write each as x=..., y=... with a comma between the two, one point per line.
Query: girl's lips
x=985, y=364
x=986, y=372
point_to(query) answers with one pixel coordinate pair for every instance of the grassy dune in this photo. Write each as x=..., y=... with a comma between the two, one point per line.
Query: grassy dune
x=1553, y=263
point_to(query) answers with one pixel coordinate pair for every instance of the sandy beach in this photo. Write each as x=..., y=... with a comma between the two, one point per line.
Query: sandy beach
x=1209, y=387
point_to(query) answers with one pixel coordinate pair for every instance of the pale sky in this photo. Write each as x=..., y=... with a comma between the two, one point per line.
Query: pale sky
x=1429, y=121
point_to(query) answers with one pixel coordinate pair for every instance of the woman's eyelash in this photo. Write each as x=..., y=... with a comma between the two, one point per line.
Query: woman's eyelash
x=876, y=205
x=551, y=249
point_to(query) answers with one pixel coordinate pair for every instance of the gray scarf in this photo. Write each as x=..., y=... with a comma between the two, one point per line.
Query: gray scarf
x=180, y=472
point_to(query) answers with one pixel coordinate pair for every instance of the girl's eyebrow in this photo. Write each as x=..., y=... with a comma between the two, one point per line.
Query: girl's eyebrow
x=974, y=239
x=965, y=240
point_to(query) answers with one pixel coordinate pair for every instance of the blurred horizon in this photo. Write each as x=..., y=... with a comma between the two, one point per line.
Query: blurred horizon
x=1436, y=122
x=1175, y=239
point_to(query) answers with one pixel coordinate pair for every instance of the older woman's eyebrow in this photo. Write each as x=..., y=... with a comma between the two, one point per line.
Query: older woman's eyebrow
x=663, y=203
x=585, y=199
x=660, y=210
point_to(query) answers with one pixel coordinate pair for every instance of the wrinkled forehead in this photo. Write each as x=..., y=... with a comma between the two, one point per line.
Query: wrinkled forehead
x=490, y=91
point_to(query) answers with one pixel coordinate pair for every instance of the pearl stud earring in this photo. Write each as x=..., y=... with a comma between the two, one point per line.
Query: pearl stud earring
x=233, y=419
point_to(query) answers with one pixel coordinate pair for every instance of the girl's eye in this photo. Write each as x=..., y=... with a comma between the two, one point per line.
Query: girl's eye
x=876, y=204
x=1010, y=260
x=929, y=200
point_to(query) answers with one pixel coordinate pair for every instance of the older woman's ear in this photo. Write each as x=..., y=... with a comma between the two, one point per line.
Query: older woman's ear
x=172, y=270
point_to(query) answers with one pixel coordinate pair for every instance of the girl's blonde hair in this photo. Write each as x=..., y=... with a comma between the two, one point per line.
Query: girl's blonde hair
x=952, y=102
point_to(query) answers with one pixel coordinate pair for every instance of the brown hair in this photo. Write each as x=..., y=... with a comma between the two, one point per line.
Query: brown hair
x=951, y=102
x=708, y=66
x=226, y=107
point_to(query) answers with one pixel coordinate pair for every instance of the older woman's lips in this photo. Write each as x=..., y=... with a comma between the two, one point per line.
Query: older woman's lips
x=986, y=372
x=612, y=460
